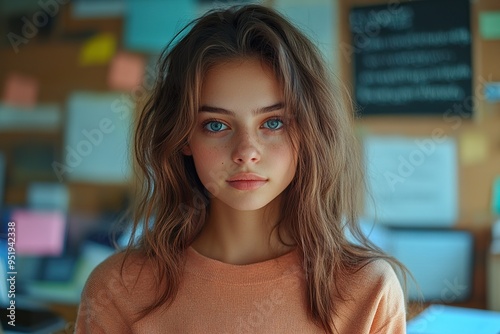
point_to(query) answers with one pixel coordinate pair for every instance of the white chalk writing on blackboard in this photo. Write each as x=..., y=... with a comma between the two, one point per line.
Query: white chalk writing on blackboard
x=415, y=58
x=411, y=57
x=400, y=18
x=401, y=75
x=405, y=94
x=412, y=40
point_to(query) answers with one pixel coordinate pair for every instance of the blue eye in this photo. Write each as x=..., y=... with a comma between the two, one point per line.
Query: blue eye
x=214, y=126
x=273, y=124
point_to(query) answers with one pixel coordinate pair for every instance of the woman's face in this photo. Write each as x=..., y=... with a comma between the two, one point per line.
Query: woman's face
x=240, y=146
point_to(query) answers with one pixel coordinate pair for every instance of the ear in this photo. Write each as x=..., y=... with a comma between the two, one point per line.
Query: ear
x=186, y=150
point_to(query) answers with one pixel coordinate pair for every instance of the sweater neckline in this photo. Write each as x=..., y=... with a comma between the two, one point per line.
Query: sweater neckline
x=233, y=274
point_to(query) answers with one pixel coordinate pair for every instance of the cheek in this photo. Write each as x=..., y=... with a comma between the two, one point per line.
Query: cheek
x=284, y=153
x=207, y=160
x=202, y=153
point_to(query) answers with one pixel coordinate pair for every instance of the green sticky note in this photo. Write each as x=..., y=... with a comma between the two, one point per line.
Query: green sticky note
x=489, y=25
x=495, y=199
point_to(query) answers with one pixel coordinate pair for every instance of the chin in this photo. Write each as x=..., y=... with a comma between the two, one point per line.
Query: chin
x=248, y=206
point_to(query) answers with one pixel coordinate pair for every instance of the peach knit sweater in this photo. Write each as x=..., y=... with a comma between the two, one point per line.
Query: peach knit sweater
x=215, y=297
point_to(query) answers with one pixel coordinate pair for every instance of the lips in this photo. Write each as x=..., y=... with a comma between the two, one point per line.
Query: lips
x=246, y=181
x=246, y=177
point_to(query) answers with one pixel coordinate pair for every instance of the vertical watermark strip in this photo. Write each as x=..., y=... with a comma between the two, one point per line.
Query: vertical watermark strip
x=11, y=273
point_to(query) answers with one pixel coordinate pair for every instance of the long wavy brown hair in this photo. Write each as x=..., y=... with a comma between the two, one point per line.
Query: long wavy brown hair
x=319, y=208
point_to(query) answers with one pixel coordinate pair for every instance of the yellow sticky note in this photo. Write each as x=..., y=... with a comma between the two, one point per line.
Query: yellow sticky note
x=98, y=50
x=473, y=148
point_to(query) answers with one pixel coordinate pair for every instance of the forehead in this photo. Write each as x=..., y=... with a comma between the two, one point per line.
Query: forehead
x=240, y=83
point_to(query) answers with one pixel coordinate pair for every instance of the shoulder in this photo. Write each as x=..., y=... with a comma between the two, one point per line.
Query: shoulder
x=377, y=281
x=121, y=277
x=115, y=293
x=373, y=298
x=378, y=272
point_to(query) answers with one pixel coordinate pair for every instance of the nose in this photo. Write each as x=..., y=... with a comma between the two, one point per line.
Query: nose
x=246, y=149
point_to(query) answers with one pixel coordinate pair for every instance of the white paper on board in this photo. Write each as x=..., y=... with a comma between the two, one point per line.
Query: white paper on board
x=97, y=142
x=412, y=182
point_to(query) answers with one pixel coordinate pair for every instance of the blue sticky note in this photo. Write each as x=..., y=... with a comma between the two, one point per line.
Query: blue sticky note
x=495, y=198
x=317, y=21
x=149, y=27
x=492, y=91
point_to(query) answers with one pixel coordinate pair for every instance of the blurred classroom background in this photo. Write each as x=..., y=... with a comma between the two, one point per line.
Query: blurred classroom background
x=424, y=76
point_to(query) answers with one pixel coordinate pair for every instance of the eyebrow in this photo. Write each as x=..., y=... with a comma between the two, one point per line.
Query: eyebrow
x=258, y=111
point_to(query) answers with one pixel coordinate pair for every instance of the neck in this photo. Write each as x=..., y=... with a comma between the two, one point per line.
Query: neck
x=241, y=237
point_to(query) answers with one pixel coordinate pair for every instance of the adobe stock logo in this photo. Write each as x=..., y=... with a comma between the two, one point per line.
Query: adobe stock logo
x=39, y=19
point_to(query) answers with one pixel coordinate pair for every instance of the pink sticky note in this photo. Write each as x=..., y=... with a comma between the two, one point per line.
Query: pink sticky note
x=126, y=71
x=39, y=232
x=20, y=90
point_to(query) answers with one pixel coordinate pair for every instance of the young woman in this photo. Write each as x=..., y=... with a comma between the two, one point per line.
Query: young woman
x=252, y=180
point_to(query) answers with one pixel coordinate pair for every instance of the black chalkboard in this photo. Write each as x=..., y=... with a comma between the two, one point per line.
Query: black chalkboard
x=412, y=57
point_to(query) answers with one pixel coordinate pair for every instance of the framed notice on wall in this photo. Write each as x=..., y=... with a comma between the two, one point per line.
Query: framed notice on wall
x=412, y=57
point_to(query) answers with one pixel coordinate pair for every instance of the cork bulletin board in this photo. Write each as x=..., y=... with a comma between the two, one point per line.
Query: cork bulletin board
x=476, y=130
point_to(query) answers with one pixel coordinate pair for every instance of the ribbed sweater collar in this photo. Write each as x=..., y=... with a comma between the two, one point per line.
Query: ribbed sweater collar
x=257, y=273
